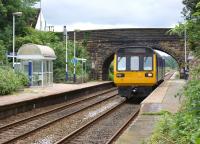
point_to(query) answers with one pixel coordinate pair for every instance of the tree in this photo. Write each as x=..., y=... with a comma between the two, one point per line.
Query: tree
x=52, y=40
x=7, y=7
x=190, y=8
x=192, y=25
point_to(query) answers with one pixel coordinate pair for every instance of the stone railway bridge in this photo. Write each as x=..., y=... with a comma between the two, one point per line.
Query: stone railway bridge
x=102, y=44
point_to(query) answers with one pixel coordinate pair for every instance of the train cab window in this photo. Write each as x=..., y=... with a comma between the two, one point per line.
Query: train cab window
x=134, y=63
x=121, y=63
x=148, y=63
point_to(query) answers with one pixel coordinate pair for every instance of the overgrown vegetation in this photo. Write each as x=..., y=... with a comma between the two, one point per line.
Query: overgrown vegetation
x=11, y=81
x=183, y=127
x=28, y=18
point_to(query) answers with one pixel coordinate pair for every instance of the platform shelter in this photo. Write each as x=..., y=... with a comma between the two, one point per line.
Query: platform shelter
x=37, y=62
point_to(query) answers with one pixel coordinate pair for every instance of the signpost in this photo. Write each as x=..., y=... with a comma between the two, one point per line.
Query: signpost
x=65, y=35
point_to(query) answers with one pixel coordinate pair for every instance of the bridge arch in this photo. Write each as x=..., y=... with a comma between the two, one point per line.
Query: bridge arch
x=102, y=44
x=106, y=56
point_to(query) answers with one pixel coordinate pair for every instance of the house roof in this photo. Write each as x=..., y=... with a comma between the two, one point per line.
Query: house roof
x=34, y=52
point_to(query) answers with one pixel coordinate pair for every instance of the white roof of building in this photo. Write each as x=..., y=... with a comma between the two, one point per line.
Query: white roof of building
x=33, y=51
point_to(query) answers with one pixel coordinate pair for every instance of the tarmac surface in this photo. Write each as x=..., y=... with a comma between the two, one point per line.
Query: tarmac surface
x=163, y=97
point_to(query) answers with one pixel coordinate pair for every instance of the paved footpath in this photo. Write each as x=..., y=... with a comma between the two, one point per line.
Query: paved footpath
x=163, y=98
x=36, y=92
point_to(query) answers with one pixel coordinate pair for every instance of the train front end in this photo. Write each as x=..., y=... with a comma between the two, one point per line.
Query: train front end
x=134, y=68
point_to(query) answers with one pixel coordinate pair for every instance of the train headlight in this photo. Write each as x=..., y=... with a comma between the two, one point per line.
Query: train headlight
x=148, y=75
x=120, y=75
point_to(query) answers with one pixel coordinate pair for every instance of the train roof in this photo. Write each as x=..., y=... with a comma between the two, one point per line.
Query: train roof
x=136, y=49
x=157, y=53
x=146, y=47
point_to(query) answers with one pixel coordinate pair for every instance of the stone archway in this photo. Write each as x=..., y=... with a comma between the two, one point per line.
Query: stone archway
x=102, y=44
x=106, y=57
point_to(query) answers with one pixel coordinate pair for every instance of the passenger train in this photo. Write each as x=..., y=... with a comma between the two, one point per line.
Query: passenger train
x=137, y=69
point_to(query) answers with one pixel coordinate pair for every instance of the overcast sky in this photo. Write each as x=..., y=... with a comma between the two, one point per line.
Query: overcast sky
x=101, y=14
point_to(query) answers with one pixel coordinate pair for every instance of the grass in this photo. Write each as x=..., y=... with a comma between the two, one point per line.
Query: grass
x=162, y=112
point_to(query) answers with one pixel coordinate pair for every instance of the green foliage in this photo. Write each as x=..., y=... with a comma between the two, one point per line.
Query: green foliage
x=111, y=72
x=183, y=127
x=37, y=37
x=23, y=79
x=192, y=25
x=190, y=8
x=10, y=81
x=3, y=59
x=178, y=30
x=53, y=41
x=26, y=34
x=162, y=112
x=170, y=62
x=60, y=62
x=7, y=8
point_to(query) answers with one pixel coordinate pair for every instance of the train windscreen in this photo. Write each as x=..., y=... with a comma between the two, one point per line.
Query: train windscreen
x=121, y=60
x=148, y=63
x=135, y=59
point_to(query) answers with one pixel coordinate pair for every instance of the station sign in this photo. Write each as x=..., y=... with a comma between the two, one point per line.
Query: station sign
x=74, y=61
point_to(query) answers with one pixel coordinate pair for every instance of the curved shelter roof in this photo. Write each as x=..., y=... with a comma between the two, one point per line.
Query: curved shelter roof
x=34, y=51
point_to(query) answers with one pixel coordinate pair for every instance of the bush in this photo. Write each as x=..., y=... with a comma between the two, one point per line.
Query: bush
x=23, y=79
x=182, y=127
x=11, y=81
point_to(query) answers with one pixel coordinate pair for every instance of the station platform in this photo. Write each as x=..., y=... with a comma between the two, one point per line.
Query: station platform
x=34, y=97
x=163, y=98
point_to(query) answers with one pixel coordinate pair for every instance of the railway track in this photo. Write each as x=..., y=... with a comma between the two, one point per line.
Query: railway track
x=104, y=128
x=169, y=75
x=12, y=132
x=52, y=110
x=92, y=132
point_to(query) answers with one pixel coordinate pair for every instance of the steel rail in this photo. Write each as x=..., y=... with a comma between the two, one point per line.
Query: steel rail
x=33, y=117
x=130, y=119
x=54, y=121
x=69, y=136
x=168, y=75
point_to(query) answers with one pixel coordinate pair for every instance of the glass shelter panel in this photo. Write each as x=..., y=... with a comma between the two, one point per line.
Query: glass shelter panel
x=37, y=73
x=25, y=67
x=37, y=66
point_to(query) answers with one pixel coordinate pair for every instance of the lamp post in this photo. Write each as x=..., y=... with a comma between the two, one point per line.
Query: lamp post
x=185, y=44
x=186, y=72
x=65, y=35
x=14, y=14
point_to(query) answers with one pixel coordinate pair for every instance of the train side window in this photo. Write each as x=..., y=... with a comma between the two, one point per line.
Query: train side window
x=135, y=63
x=121, y=63
x=148, y=63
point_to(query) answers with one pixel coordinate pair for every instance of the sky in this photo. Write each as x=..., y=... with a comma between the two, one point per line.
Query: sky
x=107, y=14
